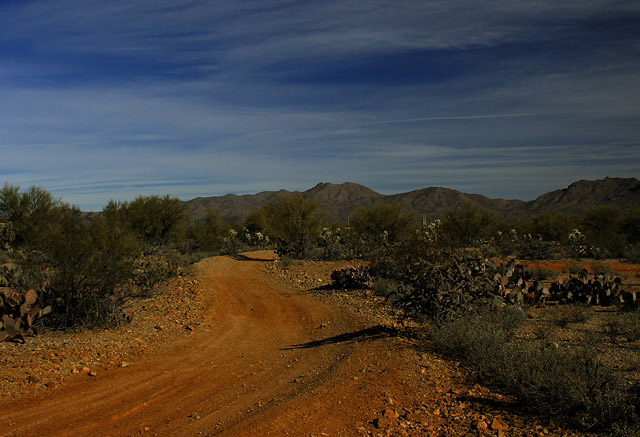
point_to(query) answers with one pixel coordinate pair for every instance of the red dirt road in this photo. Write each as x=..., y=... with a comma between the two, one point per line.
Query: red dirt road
x=238, y=374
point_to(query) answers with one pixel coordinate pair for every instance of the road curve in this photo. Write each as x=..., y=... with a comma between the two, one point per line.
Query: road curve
x=243, y=373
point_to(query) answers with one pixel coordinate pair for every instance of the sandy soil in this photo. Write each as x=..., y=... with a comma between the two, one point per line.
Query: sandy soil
x=270, y=359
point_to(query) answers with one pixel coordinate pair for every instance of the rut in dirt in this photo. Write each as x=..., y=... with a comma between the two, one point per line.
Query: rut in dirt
x=260, y=353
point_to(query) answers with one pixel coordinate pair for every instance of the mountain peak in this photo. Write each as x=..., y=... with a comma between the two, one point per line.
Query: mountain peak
x=339, y=201
x=345, y=192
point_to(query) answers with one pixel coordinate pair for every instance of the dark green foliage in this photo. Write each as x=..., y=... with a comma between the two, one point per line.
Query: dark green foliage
x=83, y=270
x=553, y=227
x=351, y=279
x=156, y=219
x=33, y=214
x=7, y=235
x=150, y=270
x=18, y=313
x=562, y=315
x=292, y=221
x=630, y=226
x=467, y=225
x=573, y=381
x=444, y=287
x=379, y=225
x=524, y=246
x=601, y=226
x=336, y=243
x=208, y=235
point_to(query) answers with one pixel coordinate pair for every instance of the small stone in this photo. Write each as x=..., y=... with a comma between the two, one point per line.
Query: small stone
x=381, y=423
x=75, y=370
x=33, y=379
x=86, y=369
x=390, y=414
x=497, y=425
x=481, y=425
x=93, y=373
x=124, y=364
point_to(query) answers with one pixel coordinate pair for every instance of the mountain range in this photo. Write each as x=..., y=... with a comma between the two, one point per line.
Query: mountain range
x=339, y=201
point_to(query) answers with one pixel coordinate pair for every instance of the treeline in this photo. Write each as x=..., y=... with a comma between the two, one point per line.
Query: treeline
x=83, y=267
x=86, y=265
x=298, y=229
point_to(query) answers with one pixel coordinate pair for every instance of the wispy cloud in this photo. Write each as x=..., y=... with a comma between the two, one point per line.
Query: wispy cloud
x=112, y=99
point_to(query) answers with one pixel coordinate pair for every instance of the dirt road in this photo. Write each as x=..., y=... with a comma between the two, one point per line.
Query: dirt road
x=267, y=361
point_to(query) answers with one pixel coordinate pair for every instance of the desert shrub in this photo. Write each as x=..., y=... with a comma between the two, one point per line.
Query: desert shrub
x=466, y=225
x=293, y=222
x=553, y=227
x=630, y=226
x=380, y=225
x=600, y=268
x=562, y=315
x=351, y=278
x=209, y=234
x=157, y=220
x=602, y=227
x=523, y=246
x=535, y=248
x=81, y=271
x=336, y=243
x=85, y=269
x=575, y=381
x=444, y=287
x=33, y=214
x=151, y=269
x=581, y=248
x=540, y=273
x=572, y=267
x=625, y=324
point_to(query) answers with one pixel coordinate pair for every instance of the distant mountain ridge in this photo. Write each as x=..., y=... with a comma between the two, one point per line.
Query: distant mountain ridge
x=339, y=201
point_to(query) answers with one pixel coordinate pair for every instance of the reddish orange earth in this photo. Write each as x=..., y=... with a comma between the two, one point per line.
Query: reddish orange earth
x=242, y=375
x=270, y=361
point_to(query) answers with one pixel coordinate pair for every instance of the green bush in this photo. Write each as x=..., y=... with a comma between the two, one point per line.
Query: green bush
x=84, y=270
x=157, y=220
x=444, y=287
x=562, y=315
x=467, y=225
x=553, y=227
x=378, y=226
x=208, y=235
x=292, y=221
x=575, y=381
x=33, y=214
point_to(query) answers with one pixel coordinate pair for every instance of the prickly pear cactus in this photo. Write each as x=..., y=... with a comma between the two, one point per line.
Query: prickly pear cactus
x=18, y=313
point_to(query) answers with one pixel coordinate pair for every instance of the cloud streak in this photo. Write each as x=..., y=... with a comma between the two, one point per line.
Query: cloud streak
x=108, y=100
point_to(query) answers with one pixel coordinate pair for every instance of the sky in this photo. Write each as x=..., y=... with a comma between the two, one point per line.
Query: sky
x=113, y=99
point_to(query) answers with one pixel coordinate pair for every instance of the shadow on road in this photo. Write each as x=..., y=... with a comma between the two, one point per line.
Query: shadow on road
x=373, y=333
x=243, y=257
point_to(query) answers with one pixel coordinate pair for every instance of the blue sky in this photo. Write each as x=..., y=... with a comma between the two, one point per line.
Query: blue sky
x=110, y=99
